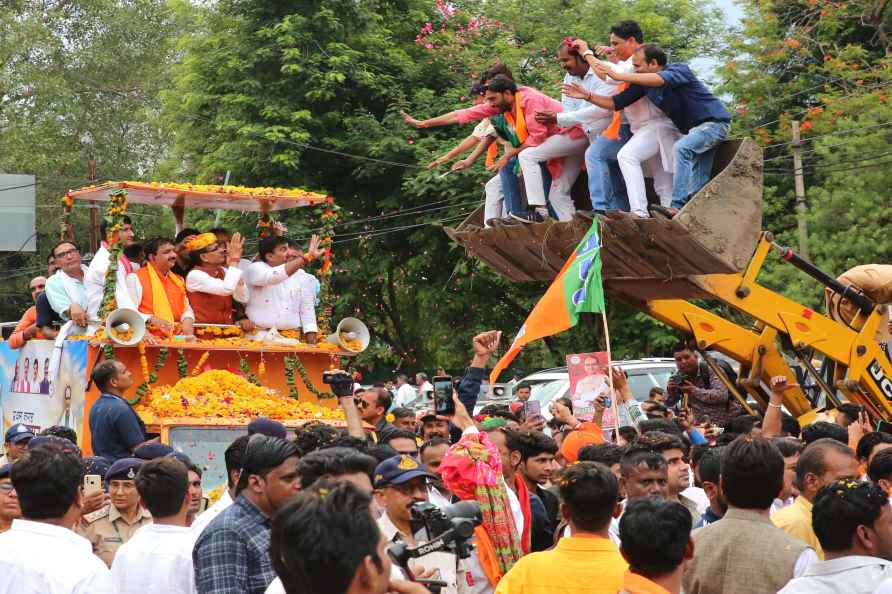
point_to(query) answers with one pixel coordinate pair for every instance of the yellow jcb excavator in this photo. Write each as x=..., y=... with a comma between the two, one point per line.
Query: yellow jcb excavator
x=714, y=249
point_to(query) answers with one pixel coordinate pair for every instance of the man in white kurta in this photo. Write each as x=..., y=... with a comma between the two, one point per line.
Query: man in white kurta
x=275, y=294
x=94, y=279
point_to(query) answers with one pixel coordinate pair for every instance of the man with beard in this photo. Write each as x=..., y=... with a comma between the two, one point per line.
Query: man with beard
x=160, y=294
x=94, y=280
x=521, y=104
x=532, y=456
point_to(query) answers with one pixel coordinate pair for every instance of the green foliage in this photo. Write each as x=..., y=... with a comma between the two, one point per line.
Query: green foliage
x=257, y=83
x=824, y=64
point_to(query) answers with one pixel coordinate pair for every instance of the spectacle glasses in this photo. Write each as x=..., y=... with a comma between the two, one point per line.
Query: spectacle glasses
x=360, y=403
x=6, y=488
x=68, y=253
x=38, y=288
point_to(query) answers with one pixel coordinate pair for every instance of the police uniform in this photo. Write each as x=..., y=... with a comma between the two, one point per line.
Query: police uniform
x=106, y=528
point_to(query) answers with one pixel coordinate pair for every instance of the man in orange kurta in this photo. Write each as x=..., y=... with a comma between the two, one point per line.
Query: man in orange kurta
x=27, y=327
x=159, y=293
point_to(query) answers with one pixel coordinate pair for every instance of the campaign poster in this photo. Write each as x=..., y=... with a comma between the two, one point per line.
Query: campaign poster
x=588, y=380
x=29, y=395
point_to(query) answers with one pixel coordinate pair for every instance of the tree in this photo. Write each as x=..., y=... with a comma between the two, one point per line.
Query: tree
x=308, y=94
x=79, y=85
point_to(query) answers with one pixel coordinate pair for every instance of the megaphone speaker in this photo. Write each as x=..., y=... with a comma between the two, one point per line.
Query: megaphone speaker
x=351, y=335
x=122, y=320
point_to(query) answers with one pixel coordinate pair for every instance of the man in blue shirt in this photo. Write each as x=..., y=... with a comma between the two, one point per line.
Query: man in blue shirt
x=694, y=110
x=231, y=556
x=116, y=430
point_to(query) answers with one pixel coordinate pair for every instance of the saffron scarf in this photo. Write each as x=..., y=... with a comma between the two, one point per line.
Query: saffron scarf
x=612, y=131
x=472, y=469
x=166, y=298
x=511, y=127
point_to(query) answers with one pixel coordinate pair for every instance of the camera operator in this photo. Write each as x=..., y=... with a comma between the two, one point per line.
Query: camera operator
x=706, y=395
x=325, y=541
x=400, y=483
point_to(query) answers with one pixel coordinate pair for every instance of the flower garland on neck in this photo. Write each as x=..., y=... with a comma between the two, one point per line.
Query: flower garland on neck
x=114, y=218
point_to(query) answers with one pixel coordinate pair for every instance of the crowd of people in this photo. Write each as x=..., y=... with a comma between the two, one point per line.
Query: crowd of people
x=194, y=278
x=625, y=113
x=499, y=501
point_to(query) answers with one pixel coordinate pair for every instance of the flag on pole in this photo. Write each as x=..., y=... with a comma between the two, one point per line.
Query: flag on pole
x=576, y=289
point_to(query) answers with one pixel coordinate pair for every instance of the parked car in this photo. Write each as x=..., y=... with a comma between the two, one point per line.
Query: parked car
x=643, y=375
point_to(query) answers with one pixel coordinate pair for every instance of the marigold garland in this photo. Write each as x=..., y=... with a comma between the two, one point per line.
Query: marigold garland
x=182, y=366
x=114, y=218
x=328, y=214
x=65, y=226
x=261, y=370
x=305, y=378
x=201, y=361
x=223, y=394
x=149, y=377
x=245, y=368
x=289, y=377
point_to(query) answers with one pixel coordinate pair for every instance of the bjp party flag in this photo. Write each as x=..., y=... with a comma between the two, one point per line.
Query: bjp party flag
x=576, y=289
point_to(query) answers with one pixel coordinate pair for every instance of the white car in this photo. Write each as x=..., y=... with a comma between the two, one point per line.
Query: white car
x=643, y=375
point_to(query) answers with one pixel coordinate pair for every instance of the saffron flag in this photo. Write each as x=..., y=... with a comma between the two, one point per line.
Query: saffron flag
x=576, y=289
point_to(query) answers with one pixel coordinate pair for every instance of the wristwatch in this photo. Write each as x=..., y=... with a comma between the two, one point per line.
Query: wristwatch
x=587, y=53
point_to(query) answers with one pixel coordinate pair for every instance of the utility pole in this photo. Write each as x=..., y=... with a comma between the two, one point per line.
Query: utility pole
x=799, y=180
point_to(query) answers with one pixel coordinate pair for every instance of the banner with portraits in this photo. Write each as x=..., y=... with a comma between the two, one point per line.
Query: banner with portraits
x=29, y=395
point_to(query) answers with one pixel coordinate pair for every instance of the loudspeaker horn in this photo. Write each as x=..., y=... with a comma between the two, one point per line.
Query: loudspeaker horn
x=122, y=320
x=349, y=331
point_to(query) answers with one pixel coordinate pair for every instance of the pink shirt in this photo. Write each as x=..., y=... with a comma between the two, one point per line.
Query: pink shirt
x=531, y=101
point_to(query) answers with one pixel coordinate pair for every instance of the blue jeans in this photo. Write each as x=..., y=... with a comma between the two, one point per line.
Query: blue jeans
x=694, y=154
x=605, y=181
x=511, y=187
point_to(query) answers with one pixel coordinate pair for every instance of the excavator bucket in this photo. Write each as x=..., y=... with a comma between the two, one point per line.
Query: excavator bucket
x=654, y=258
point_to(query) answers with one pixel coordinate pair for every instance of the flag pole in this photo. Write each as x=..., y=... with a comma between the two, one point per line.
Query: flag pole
x=610, y=373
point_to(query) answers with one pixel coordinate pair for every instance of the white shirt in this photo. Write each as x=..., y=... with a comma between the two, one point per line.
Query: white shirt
x=39, y=558
x=846, y=575
x=199, y=281
x=204, y=519
x=306, y=285
x=275, y=300
x=276, y=587
x=592, y=118
x=94, y=281
x=404, y=395
x=426, y=388
x=157, y=558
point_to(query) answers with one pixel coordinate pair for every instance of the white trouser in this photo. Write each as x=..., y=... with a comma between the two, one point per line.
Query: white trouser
x=644, y=147
x=556, y=146
x=493, y=207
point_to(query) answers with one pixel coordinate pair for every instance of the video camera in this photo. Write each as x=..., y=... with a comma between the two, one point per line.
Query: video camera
x=341, y=382
x=449, y=528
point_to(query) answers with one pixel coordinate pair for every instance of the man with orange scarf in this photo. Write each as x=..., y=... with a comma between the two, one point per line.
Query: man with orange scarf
x=520, y=106
x=472, y=470
x=160, y=294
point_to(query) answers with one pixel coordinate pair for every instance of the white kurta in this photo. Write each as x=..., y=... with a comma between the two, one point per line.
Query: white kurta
x=38, y=557
x=158, y=558
x=94, y=281
x=199, y=281
x=275, y=300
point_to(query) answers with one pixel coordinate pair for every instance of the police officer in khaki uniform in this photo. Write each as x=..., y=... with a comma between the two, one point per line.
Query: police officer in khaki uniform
x=113, y=525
